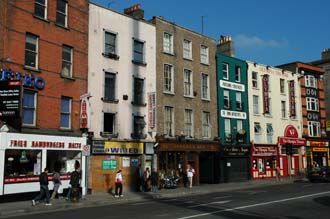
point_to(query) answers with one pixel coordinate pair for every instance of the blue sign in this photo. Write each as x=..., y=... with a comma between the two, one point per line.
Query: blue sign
x=28, y=80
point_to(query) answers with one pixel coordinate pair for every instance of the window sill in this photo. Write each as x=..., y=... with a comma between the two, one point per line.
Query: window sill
x=139, y=104
x=62, y=129
x=284, y=118
x=186, y=96
x=111, y=56
x=26, y=67
x=206, y=64
x=41, y=18
x=28, y=126
x=188, y=59
x=109, y=101
x=138, y=136
x=68, y=78
x=255, y=88
x=169, y=53
x=283, y=94
x=61, y=26
x=206, y=99
x=169, y=93
x=139, y=63
x=108, y=135
x=256, y=114
x=268, y=115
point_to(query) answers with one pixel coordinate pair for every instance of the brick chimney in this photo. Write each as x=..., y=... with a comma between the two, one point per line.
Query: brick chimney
x=226, y=46
x=135, y=11
x=326, y=54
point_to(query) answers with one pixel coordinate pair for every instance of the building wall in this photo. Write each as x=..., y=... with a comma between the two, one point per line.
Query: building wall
x=275, y=117
x=126, y=28
x=177, y=99
x=21, y=20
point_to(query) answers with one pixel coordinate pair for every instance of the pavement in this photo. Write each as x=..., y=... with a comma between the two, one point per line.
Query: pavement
x=11, y=209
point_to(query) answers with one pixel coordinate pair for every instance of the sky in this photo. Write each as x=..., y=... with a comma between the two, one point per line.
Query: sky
x=270, y=32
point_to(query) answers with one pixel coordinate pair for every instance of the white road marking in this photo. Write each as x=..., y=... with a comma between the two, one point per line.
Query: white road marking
x=211, y=203
x=255, y=205
x=221, y=197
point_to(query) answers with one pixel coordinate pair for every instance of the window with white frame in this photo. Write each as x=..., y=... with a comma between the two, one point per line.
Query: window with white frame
x=66, y=112
x=168, y=78
x=237, y=74
x=188, y=86
x=109, y=123
x=110, y=41
x=187, y=49
x=29, y=108
x=40, y=8
x=314, y=129
x=312, y=104
x=257, y=132
x=228, y=137
x=255, y=100
x=226, y=100
x=238, y=100
x=270, y=133
x=255, y=79
x=225, y=71
x=310, y=81
x=204, y=54
x=169, y=121
x=110, y=87
x=138, y=51
x=31, y=50
x=206, y=129
x=138, y=127
x=138, y=91
x=62, y=13
x=67, y=61
x=283, y=109
x=282, y=86
x=239, y=124
x=168, y=43
x=188, y=123
x=205, y=86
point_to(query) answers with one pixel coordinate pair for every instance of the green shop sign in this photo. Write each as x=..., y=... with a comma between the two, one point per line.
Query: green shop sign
x=109, y=164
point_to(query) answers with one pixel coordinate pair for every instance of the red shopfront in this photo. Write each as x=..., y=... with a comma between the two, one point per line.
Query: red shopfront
x=264, y=160
x=292, y=152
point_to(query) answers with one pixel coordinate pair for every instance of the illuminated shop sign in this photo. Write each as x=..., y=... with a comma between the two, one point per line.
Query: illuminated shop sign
x=21, y=143
x=28, y=80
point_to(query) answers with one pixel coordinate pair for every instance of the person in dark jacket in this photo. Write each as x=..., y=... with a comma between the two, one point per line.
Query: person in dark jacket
x=154, y=180
x=44, y=192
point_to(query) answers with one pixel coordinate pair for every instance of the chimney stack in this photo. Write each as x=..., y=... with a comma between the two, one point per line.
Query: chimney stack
x=135, y=11
x=226, y=46
x=326, y=54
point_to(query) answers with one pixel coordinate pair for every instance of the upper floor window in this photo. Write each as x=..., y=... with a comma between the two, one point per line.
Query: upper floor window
x=110, y=87
x=62, y=13
x=228, y=136
x=206, y=129
x=283, y=109
x=188, y=86
x=205, y=86
x=29, y=108
x=270, y=133
x=239, y=101
x=110, y=41
x=255, y=104
x=312, y=104
x=310, y=81
x=66, y=112
x=31, y=51
x=169, y=121
x=40, y=8
x=66, y=61
x=187, y=49
x=188, y=122
x=255, y=79
x=138, y=91
x=168, y=78
x=239, y=124
x=314, y=129
x=257, y=132
x=282, y=86
x=237, y=74
x=139, y=125
x=109, y=121
x=138, y=51
x=204, y=54
x=225, y=71
x=168, y=43
x=226, y=100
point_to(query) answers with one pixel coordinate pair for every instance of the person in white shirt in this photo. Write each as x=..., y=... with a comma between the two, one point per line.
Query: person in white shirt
x=190, y=175
x=119, y=184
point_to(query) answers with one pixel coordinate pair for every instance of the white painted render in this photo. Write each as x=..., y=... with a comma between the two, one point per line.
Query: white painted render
x=279, y=124
x=126, y=28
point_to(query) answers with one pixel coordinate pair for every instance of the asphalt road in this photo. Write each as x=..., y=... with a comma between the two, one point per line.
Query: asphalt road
x=292, y=201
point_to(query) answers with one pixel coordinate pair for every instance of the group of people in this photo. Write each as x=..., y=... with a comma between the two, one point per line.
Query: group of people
x=73, y=190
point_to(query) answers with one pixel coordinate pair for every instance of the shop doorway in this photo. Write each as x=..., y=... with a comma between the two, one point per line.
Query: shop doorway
x=209, y=171
x=320, y=158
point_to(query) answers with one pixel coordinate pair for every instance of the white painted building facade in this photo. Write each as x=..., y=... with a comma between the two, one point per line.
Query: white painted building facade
x=274, y=109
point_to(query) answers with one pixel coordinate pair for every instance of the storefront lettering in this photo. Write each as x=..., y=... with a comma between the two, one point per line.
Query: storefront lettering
x=122, y=150
x=47, y=144
x=28, y=79
x=74, y=145
x=18, y=143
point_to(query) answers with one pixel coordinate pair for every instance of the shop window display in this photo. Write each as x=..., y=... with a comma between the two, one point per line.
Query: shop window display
x=62, y=161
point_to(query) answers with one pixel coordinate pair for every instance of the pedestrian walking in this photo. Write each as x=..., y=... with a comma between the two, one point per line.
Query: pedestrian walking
x=119, y=185
x=146, y=180
x=57, y=183
x=74, y=187
x=44, y=192
x=190, y=175
x=154, y=180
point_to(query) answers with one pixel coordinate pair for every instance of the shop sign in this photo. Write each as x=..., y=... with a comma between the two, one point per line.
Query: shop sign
x=98, y=147
x=28, y=80
x=113, y=147
x=232, y=86
x=292, y=98
x=235, y=151
x=10, y=98
x=265, y=82
x=22, y=143
x=84, y=112
x=318, y=143
x=294, y=141
x=109, y=164
x=264, y=151
x=233, y=114
x=291, y=131
x=320, y=149
x=152, y=110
